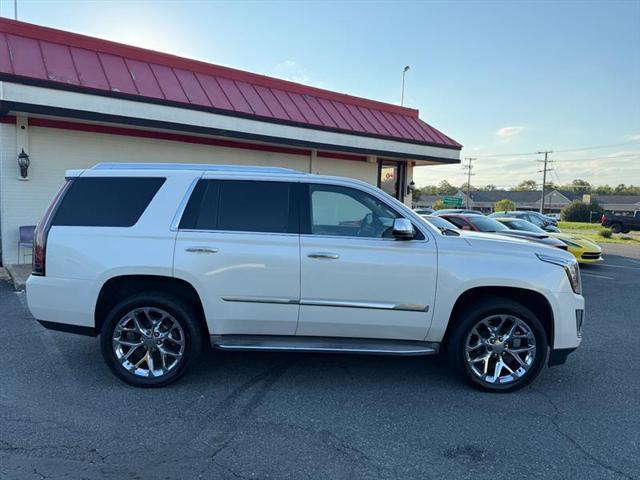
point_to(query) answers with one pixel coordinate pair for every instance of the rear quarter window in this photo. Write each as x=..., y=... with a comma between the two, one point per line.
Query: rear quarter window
x=106, y=201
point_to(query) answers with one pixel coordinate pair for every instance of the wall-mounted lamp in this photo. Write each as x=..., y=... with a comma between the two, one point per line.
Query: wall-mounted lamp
x=411, y=187
x=23, y=163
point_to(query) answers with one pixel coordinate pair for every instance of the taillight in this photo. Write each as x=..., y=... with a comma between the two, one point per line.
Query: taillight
x=602, y=218
x=42, y=230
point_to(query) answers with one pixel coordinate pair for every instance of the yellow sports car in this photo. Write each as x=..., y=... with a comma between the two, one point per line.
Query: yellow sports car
x=583, y=249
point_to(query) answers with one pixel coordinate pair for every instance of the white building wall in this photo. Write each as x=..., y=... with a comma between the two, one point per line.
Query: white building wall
x=52, y=151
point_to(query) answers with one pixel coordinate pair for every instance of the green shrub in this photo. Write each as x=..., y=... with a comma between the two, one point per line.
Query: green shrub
x=605, y=232
x=438, y=205
x=504, y=205
x=575, y=212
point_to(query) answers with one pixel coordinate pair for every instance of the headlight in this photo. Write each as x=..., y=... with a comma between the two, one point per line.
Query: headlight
x=570, y=266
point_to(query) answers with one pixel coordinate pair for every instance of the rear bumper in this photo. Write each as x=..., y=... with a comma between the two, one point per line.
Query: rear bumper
x=61, y=303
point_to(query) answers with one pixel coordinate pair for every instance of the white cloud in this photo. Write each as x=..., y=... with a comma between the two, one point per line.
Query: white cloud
x=291, y=70
x=632, y=137
x=508, y=132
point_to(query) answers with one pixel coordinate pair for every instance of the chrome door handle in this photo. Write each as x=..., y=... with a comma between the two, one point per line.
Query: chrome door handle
x=324, y=255
x=201, y=250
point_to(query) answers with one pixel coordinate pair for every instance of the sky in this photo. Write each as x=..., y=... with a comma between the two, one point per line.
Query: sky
x=504, y=78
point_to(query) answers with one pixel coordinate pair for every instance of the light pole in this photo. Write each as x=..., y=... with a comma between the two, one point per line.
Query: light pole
x=404, y=72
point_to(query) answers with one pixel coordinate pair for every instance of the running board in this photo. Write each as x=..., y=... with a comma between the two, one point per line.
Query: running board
x=367, y=346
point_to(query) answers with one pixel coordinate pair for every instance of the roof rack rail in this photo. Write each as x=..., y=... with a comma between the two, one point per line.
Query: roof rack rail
x=195, y=166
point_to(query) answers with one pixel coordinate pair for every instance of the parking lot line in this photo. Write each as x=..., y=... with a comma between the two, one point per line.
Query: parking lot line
x=597, y=276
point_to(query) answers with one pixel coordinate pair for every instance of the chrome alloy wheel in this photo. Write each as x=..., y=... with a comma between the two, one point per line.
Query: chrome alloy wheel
x=500, y=349
x=148, y=342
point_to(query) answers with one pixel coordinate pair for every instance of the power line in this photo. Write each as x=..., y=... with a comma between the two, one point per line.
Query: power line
x=468, y=167
x=544, y=171
x=579, y=149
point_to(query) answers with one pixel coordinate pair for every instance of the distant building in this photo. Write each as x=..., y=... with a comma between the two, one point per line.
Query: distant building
x=555, y=200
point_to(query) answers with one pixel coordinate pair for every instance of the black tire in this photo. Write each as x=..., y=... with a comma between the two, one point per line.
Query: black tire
x=616, y=228
x=182, y=313
x=626, y=231
x=484, y=309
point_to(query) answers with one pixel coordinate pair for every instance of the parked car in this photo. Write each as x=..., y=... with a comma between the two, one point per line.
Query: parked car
x=536, y=218
x=582, y=248
x=553, y=216
x=441, y=224
x=621, y=223
x=161, y=260
x=423, y=210
x=447, y=211
x=491, y=225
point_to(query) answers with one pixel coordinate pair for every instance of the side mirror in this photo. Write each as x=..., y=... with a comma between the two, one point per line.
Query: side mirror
x=403, y=229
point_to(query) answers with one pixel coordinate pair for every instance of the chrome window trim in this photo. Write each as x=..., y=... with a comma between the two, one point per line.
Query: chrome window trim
x=351, y=237
x=175, y=223
x=237, y=232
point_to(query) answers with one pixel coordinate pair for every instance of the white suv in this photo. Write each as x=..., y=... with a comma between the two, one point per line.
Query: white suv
x=164, y=259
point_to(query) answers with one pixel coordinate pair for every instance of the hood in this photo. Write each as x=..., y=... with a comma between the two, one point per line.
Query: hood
x=525, y=234
x=583, y=242
x=506, y=245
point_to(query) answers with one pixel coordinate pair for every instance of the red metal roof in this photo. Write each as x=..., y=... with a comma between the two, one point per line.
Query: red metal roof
x=31, y=53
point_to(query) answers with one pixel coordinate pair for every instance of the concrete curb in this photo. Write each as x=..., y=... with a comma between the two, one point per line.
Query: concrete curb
x=18, y=275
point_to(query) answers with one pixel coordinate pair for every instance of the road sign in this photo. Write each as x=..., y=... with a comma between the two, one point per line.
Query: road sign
x=452, y=201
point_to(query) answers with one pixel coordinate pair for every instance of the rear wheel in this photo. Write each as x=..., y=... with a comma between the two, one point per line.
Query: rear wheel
x=616, y=228
x=150, y=339
x=499, y=345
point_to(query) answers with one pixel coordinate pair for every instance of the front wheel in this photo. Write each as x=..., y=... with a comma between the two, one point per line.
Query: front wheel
x=499, y=345
x=150, y=339
x=616, y=228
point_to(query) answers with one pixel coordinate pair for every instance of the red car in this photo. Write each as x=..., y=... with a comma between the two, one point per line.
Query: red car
x=480, y=223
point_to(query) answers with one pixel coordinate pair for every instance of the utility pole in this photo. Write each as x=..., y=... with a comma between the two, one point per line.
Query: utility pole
x=404, y=72
x=15, y=9
x=468, y=167
x=544, y=171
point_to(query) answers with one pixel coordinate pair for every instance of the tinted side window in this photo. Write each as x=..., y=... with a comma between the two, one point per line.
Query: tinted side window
x=244, y=206
x=201, y=212
x=106, y=201
x=251, y=206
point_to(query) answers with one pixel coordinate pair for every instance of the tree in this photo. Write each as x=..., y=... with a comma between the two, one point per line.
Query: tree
x=603, y=190
x=526, y=186
x=488, y=188
x=445, y=188
x=504, y=205
x=580, y=186
x=438, y=205
x=575, y=212
x=464, y=187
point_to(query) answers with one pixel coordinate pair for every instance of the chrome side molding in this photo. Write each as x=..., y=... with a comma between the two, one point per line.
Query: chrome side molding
x=406, y=307
x=284, y=301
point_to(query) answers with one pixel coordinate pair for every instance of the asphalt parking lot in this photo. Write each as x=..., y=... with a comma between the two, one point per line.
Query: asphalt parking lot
x=63, y=415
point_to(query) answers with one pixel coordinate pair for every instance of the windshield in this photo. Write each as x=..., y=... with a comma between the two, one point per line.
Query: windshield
x=486, y=224
x=440, y=222
x=522, y=225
